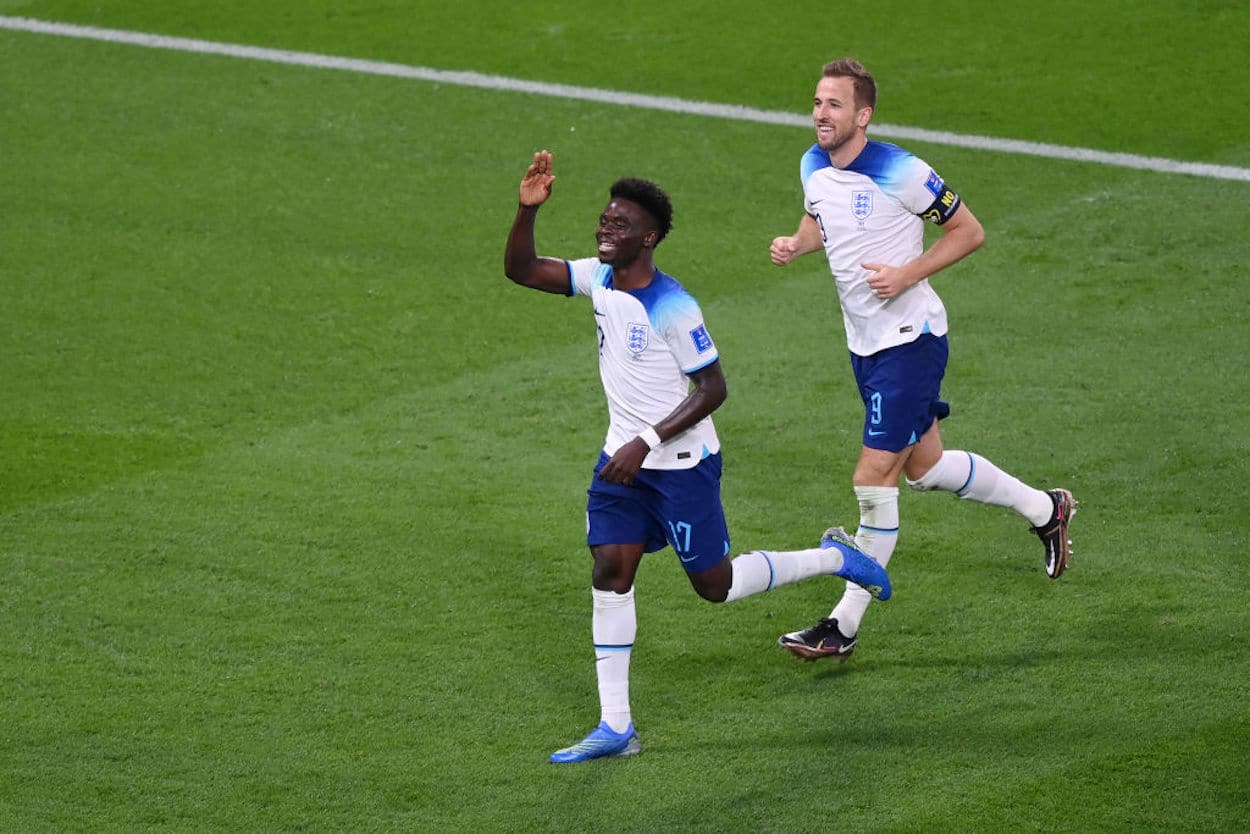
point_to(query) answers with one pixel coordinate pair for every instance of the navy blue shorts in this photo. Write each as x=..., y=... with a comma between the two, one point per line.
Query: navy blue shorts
x=901, y=388
x=679, y=507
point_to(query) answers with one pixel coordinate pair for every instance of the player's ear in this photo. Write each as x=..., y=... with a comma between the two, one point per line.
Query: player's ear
x=864, y=116
x=648, y=240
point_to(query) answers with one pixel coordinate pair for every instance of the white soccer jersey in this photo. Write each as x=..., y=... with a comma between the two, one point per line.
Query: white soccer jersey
x=873, y=211
x=649, y=341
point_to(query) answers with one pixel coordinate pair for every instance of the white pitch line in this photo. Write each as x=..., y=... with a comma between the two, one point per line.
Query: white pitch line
x=648, y=102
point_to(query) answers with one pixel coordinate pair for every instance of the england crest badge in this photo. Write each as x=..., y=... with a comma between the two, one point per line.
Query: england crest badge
x=861, y=205
x=636, y=337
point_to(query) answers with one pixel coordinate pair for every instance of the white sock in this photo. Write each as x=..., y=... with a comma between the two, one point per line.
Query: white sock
x=971, y=476
x=763, y=570
x=614, y=625
x=877, y=536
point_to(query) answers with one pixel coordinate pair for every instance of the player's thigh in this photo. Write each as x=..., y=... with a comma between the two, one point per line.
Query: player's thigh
x=901, y=391
x=693, y=515
x=617, y=514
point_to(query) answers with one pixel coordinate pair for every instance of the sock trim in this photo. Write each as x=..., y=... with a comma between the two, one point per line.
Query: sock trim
x=772, y=573
x=972, y=472
x=888, y=531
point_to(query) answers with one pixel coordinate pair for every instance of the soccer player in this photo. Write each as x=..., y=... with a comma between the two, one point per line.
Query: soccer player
x=657, y=480
x=866, y=204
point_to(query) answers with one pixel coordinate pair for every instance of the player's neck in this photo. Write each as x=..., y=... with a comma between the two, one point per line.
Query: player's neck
x=847, y=153
x=635, y=276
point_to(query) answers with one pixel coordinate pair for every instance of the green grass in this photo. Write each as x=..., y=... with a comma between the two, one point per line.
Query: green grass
x=292, y=479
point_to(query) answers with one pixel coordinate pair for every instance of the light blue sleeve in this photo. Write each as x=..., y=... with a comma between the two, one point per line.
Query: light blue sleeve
x=678, y=317
x=587, y=273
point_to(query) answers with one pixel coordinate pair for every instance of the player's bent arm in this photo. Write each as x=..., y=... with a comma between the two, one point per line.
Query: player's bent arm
x=962, y=235
x=523, y=265
x=806, y=239
x=708, y=391
x=706, y=395
x=808, y=233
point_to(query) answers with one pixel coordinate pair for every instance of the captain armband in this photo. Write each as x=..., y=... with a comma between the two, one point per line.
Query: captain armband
x=943, y=208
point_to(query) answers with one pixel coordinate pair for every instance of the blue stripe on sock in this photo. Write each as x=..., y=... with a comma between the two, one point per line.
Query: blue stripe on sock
x=886, y=531
x=613, y=647
x=772, y=574
x=972, y=473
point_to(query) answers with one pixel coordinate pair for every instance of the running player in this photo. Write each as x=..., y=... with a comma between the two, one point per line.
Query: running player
x=866, y=204
x=657, y=480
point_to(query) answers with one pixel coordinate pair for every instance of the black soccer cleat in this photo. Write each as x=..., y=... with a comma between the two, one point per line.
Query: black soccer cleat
x=1054, y=533
x=821, y=640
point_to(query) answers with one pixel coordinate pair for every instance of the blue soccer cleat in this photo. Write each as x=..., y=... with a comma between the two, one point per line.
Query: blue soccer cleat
x=857, y=566
x=602, y=742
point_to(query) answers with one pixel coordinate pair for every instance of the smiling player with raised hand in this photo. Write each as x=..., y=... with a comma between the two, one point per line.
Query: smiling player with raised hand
x=657, y=480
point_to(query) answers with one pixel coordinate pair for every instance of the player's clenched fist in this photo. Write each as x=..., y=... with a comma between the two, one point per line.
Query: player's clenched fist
x=784, y=250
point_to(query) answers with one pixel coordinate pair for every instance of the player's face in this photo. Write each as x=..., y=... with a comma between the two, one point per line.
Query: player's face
x=625, y=230
x=835, y=115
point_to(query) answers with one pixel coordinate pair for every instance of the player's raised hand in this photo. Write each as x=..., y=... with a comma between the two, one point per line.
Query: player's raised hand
x=536, y=184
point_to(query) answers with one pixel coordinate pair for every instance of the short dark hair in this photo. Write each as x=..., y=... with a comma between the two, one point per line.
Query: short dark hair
x=651, y=198
x=865, y=84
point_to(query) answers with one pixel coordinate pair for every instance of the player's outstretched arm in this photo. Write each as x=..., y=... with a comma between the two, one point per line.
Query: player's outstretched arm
x=520, y=260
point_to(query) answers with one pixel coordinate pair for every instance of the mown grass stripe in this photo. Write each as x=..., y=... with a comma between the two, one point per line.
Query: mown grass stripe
x=615, y=97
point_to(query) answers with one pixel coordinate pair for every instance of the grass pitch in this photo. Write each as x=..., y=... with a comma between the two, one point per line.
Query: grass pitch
x=291, y=478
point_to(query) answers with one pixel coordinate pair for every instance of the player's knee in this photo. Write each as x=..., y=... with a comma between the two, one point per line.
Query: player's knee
x=606, y=579
x=713, y=594
x=617, y=585
x=711, y=586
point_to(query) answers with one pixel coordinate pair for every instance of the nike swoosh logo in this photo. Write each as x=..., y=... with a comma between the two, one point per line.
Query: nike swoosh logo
x=872, y=433
x=687, y=560
x=597, y=313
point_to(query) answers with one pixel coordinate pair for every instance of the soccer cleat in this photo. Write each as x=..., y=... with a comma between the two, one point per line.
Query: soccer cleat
x=857, y=566
x=821, y=640
x=602, y=742
x=1054, y=533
